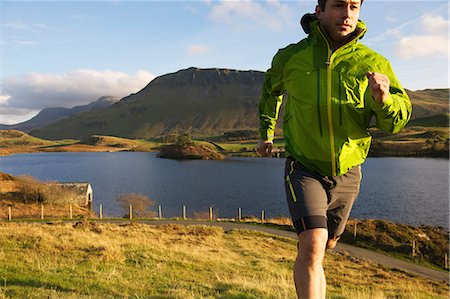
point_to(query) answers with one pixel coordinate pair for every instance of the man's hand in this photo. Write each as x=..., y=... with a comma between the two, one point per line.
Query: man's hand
x=264, y=148
x=379, y=86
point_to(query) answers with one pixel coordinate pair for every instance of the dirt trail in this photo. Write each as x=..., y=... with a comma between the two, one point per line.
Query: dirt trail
x=341, y=248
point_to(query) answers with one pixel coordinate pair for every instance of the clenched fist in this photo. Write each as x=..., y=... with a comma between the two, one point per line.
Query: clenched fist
x=379, y=86
x=264, y=148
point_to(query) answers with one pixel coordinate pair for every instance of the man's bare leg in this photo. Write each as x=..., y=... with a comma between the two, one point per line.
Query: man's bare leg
x=309, y=276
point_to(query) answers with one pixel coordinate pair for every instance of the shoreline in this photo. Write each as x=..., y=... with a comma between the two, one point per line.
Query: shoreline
x=376, y=154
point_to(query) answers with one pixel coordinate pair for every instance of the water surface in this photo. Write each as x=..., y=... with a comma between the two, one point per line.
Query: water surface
x=406, y=190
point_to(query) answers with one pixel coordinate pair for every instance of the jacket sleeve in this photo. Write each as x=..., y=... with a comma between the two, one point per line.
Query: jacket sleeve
x=271, y=99
x=394, y=113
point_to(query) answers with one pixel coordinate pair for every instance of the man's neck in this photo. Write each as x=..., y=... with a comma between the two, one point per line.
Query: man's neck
x=337, y=44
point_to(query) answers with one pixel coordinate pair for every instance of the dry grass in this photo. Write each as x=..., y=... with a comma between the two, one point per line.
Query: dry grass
x=98, y=260
x=20, y=210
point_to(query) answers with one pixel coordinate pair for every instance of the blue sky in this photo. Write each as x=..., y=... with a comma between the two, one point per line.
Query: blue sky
x=68, y=53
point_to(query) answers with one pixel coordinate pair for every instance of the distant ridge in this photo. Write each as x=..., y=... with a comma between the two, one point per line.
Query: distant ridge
x=201, y=101
x=51, y=115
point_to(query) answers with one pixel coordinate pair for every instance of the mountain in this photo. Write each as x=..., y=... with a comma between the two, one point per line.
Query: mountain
x=51, y=115
x=201, y=101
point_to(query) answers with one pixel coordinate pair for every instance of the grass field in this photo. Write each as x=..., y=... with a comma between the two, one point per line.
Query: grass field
x=99, y=260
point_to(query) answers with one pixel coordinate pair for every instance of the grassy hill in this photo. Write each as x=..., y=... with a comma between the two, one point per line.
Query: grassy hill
x=119, y=143
x=429, y=102
x=100, y=260
x=13, y=141
x=438, y=120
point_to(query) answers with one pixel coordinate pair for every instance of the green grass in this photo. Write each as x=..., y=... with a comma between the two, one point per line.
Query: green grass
x=118, y=142
x=247, y=146
x=14, y=138
x=99, y=260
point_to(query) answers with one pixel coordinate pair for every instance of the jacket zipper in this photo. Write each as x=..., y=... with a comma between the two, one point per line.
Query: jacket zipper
x=330, y=119
x=318, y=103
x=329, y=110
x=340, y=98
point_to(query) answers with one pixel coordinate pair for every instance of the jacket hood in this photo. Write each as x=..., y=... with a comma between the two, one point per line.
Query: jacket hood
x=308, y=19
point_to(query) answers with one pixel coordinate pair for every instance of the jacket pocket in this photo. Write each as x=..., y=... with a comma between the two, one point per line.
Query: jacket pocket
x=306, y=98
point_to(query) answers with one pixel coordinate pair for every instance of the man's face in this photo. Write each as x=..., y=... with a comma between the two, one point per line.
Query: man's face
x=339, y=18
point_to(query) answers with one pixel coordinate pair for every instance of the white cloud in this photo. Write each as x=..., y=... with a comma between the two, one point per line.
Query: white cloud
x=4, y=99
x=198, y=49
x=422, y=46
x=431, y=39
x=270, y=14
x=20, y=25
x=25, y=43
x=31, y=92
x=11, y=116
x=83, y=17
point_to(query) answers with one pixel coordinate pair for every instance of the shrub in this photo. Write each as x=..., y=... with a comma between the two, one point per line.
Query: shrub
x=184, y=140
x=140, y=203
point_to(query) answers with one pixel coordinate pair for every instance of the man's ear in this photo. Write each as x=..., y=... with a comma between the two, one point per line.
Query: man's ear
x=318, y=11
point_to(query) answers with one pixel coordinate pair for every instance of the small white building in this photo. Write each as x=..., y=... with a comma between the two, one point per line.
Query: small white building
x=82, y=193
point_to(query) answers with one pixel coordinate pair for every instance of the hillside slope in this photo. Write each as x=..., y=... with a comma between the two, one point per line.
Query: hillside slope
x=103, y=260
x=202, y=101
x=48, y=116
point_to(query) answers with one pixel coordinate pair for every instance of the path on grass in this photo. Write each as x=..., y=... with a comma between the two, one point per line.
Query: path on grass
x=341, y=248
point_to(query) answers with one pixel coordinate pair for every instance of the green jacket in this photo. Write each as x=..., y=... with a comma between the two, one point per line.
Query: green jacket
x=329, y=106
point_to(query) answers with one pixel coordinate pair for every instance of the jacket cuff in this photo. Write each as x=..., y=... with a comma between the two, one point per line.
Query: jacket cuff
x=266, y=135
x=382, y=106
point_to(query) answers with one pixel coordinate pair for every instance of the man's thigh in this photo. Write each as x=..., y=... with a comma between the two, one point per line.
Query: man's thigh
x=307, y=199
x=341, y=200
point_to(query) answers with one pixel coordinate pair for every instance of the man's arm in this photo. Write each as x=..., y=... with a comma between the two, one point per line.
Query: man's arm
x=390, y=102
x=269, y=106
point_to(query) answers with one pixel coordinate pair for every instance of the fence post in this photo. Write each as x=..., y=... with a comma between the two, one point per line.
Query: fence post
x=101, y=212
x=184, y=212
x=159, y=212
x=262, y=216
x=446, y=261
x=210, y=213
x=240, y=214
x=413, y=248
x=354, y=230
x=70, y=211
x=42, y=212
x=9, y=213
x=131, y=212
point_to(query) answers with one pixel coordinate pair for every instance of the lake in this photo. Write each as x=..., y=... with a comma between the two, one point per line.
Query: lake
x=405, y=190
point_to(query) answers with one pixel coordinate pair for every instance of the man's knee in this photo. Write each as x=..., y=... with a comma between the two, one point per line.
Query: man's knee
x=312, y=244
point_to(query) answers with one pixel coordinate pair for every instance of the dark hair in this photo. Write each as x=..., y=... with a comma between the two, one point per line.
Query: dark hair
x=322, y=3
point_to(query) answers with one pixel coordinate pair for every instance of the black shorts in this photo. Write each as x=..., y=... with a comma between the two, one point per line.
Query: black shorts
x=317, y=201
